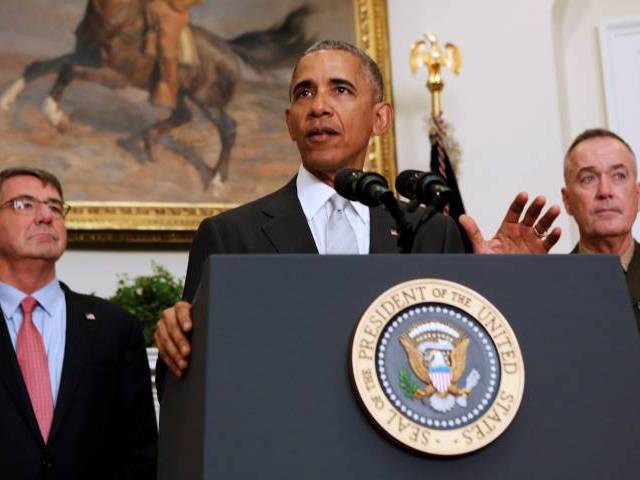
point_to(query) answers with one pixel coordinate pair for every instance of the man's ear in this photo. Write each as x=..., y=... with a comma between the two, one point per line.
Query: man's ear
x=382, y=117
x=565, y=200
x=287, y=115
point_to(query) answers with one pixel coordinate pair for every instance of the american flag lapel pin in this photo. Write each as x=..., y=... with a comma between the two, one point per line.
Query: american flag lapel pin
x=89, y=316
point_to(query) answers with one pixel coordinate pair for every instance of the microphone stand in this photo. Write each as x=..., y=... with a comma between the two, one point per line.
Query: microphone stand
x=406, y=231
x=371, y=190
x=436, y=204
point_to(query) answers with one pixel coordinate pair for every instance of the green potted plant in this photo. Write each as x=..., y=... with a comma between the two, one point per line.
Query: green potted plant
x=145, y=297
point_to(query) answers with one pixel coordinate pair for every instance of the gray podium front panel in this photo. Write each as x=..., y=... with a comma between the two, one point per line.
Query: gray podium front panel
x=268, y=394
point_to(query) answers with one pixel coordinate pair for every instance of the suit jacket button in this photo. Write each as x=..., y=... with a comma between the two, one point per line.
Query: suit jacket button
x=47, y=462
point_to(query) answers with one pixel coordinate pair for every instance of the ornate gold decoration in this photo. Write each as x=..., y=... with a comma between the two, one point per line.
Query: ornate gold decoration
x=428, y=53
x=437, y=367
x=139, y=222
x=420, y=366
x=372, y=35
x=175, y=223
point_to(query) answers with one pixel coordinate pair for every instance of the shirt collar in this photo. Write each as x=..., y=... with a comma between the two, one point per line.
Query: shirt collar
x=47, y=297
x=314, y=194
x=628, y=255
x=625, y=258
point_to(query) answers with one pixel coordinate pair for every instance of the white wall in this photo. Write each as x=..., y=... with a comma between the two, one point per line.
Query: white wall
x=504, y=105
x=530, y=81
x=579, y=52
x=96, y=272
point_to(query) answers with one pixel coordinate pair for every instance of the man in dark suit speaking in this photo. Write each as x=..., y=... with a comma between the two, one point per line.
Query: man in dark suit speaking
x=75, y=393
x=336, y=105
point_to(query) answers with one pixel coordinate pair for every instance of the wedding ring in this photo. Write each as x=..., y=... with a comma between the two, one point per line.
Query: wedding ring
x=537, y=233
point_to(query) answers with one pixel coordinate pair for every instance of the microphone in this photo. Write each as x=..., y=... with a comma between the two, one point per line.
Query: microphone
x=426, y=188
x=368, y=188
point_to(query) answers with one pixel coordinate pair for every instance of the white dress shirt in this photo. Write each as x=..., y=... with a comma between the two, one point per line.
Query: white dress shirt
x=50, y=319
x=313, y=196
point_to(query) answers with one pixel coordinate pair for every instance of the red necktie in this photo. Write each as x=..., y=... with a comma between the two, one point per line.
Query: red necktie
x=32, y=359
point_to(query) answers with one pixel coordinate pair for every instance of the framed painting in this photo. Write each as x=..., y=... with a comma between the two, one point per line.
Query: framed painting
x=74, y=99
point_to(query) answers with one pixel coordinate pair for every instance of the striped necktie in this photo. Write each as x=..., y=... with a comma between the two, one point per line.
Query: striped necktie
x=341, y=239
x=32, y=359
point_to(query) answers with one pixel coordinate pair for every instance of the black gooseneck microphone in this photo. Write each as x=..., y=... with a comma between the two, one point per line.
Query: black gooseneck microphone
x=364, y=187
x=424, y=188
x=372, y=189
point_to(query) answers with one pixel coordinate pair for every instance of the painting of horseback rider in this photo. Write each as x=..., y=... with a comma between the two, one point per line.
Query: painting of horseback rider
x=154, y=95
x=168, y=40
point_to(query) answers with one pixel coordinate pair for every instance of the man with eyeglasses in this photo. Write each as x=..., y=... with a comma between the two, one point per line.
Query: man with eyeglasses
x=75, y=392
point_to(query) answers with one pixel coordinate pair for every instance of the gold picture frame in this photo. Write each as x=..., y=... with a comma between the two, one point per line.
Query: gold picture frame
x=109, y=222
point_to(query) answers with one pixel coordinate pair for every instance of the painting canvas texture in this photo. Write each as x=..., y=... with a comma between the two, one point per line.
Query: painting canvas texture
x=93, y=136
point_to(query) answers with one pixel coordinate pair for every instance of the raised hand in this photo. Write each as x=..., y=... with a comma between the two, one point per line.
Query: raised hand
x=529, y=235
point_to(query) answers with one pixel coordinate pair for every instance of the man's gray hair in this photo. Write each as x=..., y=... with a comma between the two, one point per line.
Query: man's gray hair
x=367, y=63
x=597, y=133
x=47, y=178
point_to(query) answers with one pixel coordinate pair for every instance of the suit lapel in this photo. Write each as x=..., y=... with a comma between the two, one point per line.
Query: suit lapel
x=78, y=327
x=288, y=230
x=633, y=277
x=286, y=226
x=381, y=238
x=12, y=377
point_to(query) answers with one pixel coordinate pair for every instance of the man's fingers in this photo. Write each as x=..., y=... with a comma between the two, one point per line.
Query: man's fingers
x=473, y=232
x=167, y=351
x=167, y=346
x=533, y=212
x=183, y=314
x=516, y=208
x=174, y=329
x=173, y=368
x=552, y=238
x=547, y=219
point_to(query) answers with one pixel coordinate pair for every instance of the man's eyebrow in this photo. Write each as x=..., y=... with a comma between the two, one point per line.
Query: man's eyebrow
x=336, y=82
x=591, y=168
x=301, y=84
x=619, y=166
x=342, y=82
x=31, y=197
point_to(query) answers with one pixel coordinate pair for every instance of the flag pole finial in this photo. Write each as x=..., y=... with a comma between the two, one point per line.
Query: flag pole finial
x=428, y=53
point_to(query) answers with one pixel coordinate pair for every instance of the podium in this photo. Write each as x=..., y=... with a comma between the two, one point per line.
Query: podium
x=268, y=392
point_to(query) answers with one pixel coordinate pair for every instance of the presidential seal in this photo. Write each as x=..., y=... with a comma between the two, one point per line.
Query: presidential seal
x=437, y=367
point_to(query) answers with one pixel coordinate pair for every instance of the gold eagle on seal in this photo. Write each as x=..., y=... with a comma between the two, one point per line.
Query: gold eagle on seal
x=437, y=355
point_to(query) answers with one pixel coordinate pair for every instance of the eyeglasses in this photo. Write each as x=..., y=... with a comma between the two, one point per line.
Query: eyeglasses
x=27, y=205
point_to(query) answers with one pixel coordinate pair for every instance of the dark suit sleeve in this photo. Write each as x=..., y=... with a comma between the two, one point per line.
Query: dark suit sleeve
x=207, y=241
x=452, y=238
x=137, y=413
x=439, y=235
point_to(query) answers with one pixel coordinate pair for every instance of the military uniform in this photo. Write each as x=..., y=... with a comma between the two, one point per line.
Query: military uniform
x=633, y=281
x=632, y=275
